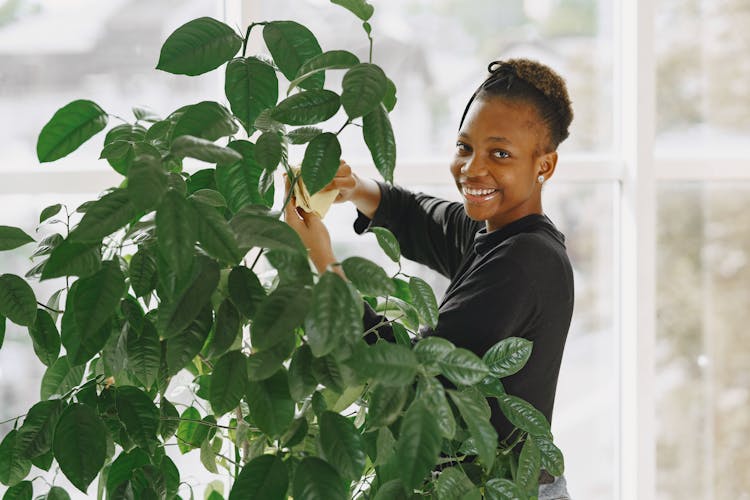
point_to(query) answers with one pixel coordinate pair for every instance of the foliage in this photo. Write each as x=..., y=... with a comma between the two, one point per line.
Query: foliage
x=288, y=398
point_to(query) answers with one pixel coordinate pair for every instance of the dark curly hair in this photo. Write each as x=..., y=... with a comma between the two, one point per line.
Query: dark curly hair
x=532, y=82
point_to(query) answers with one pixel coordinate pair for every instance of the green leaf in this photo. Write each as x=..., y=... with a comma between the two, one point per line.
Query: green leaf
x=251, y=86
x=182, y=348
x=122, y=468
x=453, y=484
x=303, y=135
x=321, y=161
x=255, y=230
x=142, y=271
x=392, y=490
x=431, y=350
x=432, y=393
x=60, y=378
x=359, y=8
x=147, y=183
x=214, y=234
x=168, y=419
x=265, y=477
x=291, y=44
x=175, y=316
x=418, y=444
x=388, y=364
x=502, y=489
x=387, y=242
x=2, y=330
x=103, y=217
x=145, y=114
x=190, y=433
x=463, y=367
x=307, y=108
x=476, y=413
x=238, y=182
x=198, y=47
x=80, y=444
x=281, y=312
x=491, y=387
x=551, y=457
x=301, y=379
x=508, y=356
x=424, y=300
x=228, y=381
x=204, y=150
x=389, y=100
x=315, y=479
x=17, y=300
x=271, y=406
x=209, y=197
x=363, y=88
x=342, y=445
x=368, y=277
x=176, y=231
x=386, y=405
x=207, y=120
x=524, y=416
x=21, y=491
x=57, y=493
x=13, y=237
x=13, y=466
x=138, y=413
x=378, y=135
x=529, y=464
x=293, y=267
x=268, y=149
x=263, y=364
x=70, y=126
x=73, y=259
x=245, y=290
x=144, y=353
x=45, y=338
x=227, y=328
x=334, y=316
x=121, y=145
x=333, y=59
x=49, y=211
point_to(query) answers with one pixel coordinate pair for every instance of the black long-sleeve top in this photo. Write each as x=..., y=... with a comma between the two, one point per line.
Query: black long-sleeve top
x=516, y=281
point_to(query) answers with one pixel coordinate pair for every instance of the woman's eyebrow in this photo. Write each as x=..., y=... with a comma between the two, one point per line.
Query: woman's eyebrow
x=499, y=139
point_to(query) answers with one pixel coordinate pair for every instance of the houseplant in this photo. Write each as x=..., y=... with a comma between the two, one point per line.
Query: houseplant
x=158, y=275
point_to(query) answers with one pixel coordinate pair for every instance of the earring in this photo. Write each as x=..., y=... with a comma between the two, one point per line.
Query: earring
x=540, y=179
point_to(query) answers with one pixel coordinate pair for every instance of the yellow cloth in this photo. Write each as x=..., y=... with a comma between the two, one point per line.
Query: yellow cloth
x=318, y=203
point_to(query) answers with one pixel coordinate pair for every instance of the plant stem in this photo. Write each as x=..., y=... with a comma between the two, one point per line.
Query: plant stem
x=343, y=126
x=247, y=36
x=382, y=323
x=49, y=308
x=257, y=257
x=12, y=419
x=194, y=420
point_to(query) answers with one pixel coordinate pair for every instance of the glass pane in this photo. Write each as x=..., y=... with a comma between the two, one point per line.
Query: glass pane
x=702, y=74
x=437, y=53
x=585, y=421
x=702, y=356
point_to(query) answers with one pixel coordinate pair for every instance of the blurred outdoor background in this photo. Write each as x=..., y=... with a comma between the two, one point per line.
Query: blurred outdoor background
x=437, y=51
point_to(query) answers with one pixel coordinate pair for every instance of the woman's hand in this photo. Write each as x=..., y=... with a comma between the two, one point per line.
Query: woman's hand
x=345, y=181
x=363, y=192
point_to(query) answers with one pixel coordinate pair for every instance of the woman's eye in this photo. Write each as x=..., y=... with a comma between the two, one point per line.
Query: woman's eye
x=501, y=154
x=460, y=146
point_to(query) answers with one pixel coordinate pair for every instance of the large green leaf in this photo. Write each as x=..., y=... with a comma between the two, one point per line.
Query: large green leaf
x=303, y=135
x=333, y=59
x=49, y=211
x=257, y=230
x=60, y=378
x=359, y=8
x=228, y=381
x=121, y=144
x=334, y=316
x=17, y=300
x=307, y=108
x=198, y=46
x=551, y=457
x=378, y=135
x=502, y=489
x=168, y=419
x=529, y=464
x=178, y=313
x=389, y=101
x=387, y=242
x=250, y=86
x=21, y=491
x=204, y=150
x=45, y=337
x=73, y=259
x=433, y=394
x=524, y=416
x=139, y=414
x=418, y=444
x=268, y=150
x=291, y=44
x=70, y=126
x=476, y=413
x=263, y=364
x=342, y=445
x=94, y=300
x=207, y=120
x=122, y=468
x=321, y=161
x=424, y=300
x=176, y=231
x=463, y=367
x=368, y=277
x=271, y=405
x=80, y=444
x=388, y=364
x=191, y=432
x=228, y=327
x=281, y=312
x=431, y=350
x=13, y=237
x=315, y=479
x=301, y=379
x=144, y=353
x=13, y=465
x=363, y=88
x=386, y=405
x=103, y=217
x=453, y=484
x=182, y=348
x=264, y=477
x=245, y=290
x=508, y=356
x=293, y=267
x=238, y=182
x=392, y=490
x=142, y=271
x=214, y=234
x=147, y=183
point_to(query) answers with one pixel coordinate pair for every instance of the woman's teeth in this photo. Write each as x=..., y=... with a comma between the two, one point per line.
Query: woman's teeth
x=478, y=192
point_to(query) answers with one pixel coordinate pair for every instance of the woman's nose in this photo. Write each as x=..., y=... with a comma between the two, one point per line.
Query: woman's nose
x=473, y=166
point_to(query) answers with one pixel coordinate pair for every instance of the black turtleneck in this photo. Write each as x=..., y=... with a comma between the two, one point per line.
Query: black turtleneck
x=515, y=281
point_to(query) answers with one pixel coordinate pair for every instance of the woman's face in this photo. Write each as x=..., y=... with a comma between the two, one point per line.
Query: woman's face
x=497, y=161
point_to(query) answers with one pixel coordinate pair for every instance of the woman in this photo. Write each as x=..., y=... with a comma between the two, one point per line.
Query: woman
x=509, y=270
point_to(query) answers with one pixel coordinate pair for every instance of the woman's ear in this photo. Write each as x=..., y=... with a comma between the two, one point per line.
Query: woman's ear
x=546, y=164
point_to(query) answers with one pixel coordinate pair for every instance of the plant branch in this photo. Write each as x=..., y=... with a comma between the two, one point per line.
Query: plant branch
x=195, y=420
x=257, y=258
x=347, y=122
x=12, y=419
x=247, y=36
x=382, y=323
x=49, y=308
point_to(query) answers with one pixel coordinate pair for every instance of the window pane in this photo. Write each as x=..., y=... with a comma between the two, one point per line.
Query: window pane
x=702, y=355
x=702, y=74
